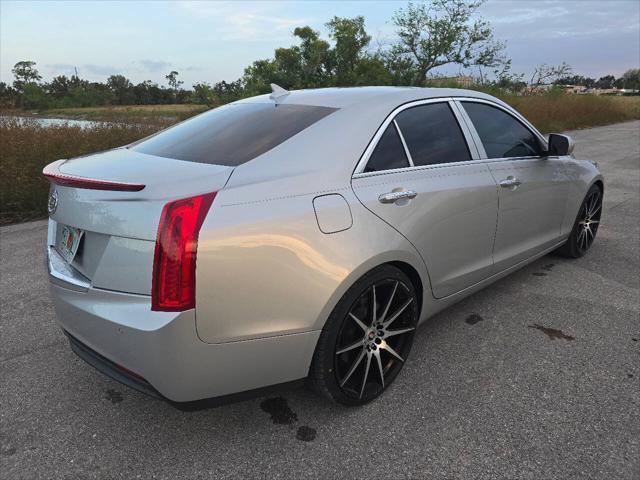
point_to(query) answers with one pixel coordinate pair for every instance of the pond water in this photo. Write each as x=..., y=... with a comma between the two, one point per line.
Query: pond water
x=48, y=122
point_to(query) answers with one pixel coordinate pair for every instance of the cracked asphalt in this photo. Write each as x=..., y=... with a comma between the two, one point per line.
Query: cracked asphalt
x=535, y=377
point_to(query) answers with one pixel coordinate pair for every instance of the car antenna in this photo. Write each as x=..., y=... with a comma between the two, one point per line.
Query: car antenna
x=277, y=92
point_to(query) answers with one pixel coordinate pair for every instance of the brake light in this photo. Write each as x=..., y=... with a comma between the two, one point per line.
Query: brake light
x=174, y=266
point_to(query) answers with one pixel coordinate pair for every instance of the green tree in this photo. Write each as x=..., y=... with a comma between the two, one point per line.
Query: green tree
x=314, y=53
x=607, y=81
x=59, y=87
x=122, y=89
x=228, y=91
x=203, y=94
x=631, y=79
x=25, y=72
x=351, y=40
x=440, y=33
x=174, y=83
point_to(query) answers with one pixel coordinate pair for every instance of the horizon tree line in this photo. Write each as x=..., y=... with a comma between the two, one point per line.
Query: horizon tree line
x=440, y=33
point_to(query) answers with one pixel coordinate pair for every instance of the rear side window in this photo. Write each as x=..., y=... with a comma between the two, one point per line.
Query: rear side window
x=389, y=152
x=502, y=135
x=232, y=134
x=432, y=134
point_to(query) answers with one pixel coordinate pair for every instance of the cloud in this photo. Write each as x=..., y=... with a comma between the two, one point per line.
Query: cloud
x=153, y=65
x=246, y=21
x=99, y=69
x=59, y=68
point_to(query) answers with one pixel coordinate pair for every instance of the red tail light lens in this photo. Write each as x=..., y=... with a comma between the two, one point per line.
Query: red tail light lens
x=174, y=267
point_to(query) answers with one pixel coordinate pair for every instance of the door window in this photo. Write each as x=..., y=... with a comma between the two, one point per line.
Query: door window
x=389, y=152
x=502, y=135
x=432, y=134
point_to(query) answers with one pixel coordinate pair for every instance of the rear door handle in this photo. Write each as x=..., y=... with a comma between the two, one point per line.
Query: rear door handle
x=510, y=182
x=392, y=197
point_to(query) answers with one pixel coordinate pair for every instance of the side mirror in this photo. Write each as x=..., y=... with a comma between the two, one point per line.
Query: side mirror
x=560, y=144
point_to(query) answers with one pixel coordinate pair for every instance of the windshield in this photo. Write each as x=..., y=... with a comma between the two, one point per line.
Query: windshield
x=232, y=134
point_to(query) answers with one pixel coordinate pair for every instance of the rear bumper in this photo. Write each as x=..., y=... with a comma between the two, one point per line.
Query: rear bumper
x=111, y=330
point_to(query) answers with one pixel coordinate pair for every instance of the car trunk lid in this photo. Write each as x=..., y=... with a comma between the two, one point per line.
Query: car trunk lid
x=119, y=227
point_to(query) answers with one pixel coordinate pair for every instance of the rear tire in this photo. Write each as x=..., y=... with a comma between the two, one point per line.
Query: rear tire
x=585, y=227
x=367, y=338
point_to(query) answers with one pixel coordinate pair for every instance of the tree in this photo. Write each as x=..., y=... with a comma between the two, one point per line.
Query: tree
x=631, y=79
x=228, y=91
x=25, y=73
x=203, y=94
x=441, y=33
x=314, y=53
x=59, y=87
x=174, y=83
x=544, y=74
x=122, y=89
x=606, y=82
x=350, y=39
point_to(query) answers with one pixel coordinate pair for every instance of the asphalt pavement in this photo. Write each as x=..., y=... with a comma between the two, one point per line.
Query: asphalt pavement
x=535, y=377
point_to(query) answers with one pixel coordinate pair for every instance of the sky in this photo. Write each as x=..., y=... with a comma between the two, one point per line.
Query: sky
x=212, y=41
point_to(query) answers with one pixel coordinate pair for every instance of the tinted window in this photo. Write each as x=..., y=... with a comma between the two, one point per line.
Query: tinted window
x=432, y=134
x=389, y=152
x=233, y=134
x=501, y=134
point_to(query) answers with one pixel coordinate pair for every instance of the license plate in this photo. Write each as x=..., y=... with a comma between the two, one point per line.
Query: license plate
x=69, y=241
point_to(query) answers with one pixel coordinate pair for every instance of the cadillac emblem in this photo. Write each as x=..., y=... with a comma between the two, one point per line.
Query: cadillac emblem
x=52, y=204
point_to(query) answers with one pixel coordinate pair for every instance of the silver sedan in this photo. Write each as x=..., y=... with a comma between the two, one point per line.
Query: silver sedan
x=303, y=235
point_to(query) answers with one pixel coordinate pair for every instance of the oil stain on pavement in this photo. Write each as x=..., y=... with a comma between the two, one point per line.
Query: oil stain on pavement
x=552, y=333
x=306, y=434
x=281, y=414
x=548, y=267
x=473, y=319
x=279, y=410
x=114, y=396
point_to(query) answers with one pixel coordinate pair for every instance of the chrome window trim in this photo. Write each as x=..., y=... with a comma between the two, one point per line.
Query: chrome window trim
x=404, y=144
x=364, y=158
x=420, y=167
x=509, y=111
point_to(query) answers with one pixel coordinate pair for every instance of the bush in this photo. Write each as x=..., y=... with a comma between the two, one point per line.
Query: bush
x=26, y=147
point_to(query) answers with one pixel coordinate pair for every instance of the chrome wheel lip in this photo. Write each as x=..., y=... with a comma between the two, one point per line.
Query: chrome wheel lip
x=374, y=355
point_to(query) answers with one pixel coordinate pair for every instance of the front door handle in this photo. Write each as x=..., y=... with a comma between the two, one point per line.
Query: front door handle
x=510, y=182
x=392, y=197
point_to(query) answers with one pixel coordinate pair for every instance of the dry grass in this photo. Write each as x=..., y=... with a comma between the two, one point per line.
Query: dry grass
x=26, y=147
x=559, y=113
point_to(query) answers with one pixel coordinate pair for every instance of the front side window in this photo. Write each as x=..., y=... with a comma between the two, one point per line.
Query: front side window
x=432, y=134
x=389, y=152
x=502, y=135
x=232, y=134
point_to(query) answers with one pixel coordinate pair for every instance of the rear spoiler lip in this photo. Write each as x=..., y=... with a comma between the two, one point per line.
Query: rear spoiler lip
x=53, y=174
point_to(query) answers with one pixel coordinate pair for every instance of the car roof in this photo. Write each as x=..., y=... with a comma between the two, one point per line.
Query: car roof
x=360, y=97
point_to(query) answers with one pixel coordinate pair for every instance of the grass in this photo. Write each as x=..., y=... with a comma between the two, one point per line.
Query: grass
x=26, y=147
x=558, y=113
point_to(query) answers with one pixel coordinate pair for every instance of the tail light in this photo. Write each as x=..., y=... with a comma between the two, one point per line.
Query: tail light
x=174, y=266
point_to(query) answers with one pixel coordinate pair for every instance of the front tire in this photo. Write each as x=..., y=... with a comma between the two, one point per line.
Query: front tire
x=585, y=227
x=367, y=338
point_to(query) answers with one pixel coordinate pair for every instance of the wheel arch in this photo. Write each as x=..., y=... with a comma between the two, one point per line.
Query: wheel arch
x=410, y=265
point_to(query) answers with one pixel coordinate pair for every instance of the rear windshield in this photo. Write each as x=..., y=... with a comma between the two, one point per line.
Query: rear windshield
x=232, y=134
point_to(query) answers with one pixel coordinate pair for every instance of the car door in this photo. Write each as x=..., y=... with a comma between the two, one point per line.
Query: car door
x=533, y=187
x=421, y=175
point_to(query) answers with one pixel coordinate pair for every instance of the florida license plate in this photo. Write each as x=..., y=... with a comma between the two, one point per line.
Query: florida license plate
x=69, y=242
